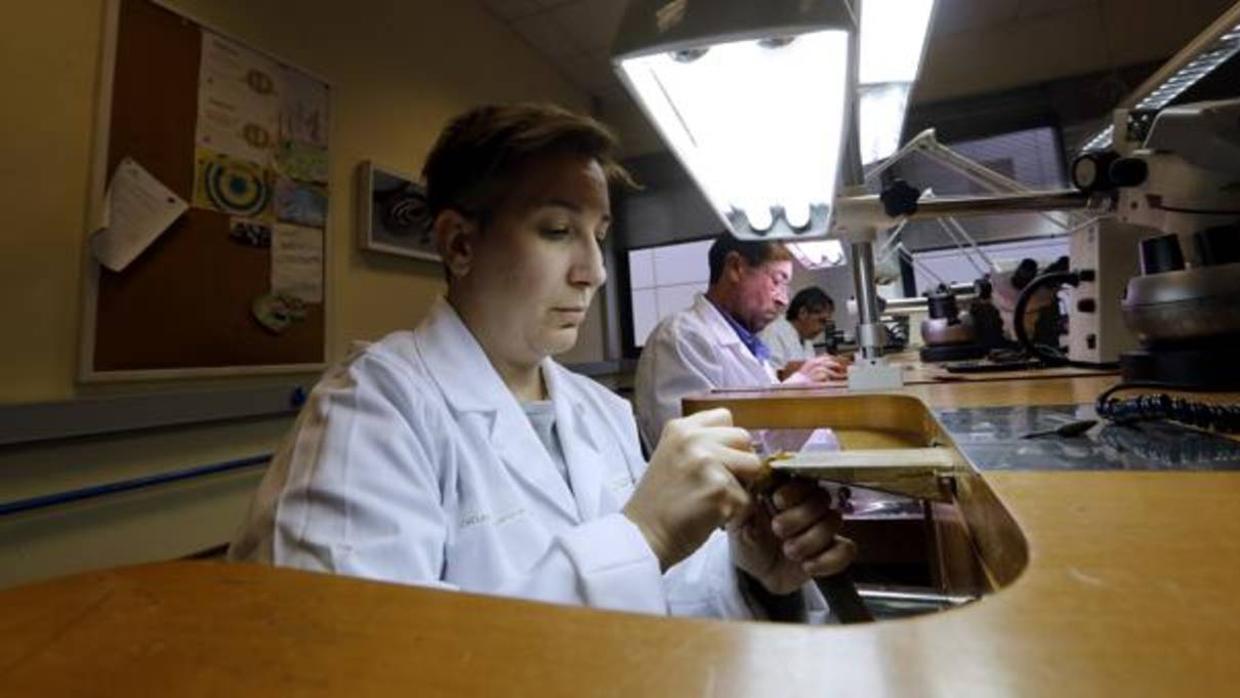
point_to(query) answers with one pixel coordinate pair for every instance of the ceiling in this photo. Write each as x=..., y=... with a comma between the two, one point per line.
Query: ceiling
x=971, y=40
x=575, y=35
x=976, y=47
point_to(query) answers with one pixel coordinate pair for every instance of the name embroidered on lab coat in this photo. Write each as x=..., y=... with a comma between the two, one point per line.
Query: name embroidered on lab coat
x=480, y=517
x=474, y=518
x=505, y=518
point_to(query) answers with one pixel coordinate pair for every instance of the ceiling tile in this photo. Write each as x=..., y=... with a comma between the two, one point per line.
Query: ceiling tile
x=509, y=10
x=544, y=33
x=593, y=23
x=1037, y=8
x=593, y=73
x=952, y=16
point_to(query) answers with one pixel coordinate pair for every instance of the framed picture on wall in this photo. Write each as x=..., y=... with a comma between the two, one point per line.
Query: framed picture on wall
x=393, y=217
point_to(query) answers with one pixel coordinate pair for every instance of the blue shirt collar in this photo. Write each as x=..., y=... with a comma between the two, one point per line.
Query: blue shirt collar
x=752, y=342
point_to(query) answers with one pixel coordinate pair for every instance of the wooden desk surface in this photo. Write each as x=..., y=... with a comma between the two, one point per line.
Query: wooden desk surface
x=1130, y=591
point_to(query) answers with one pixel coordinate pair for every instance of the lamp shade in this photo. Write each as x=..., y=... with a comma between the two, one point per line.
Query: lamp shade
x=751, y=97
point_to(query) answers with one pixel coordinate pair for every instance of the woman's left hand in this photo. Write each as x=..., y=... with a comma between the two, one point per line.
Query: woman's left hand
x=798, y=543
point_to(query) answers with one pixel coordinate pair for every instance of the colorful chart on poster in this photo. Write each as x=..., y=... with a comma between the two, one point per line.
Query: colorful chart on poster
x=232, y=186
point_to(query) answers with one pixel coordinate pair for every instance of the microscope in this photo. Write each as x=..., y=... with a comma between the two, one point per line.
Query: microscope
x=1181, y=188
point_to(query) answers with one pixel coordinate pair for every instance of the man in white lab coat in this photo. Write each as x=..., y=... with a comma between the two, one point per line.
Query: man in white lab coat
x=461, y=456
x=790, y=338
x=714, y=343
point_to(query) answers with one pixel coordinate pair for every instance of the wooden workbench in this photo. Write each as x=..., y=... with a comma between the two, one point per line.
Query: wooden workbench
x=1130, y=591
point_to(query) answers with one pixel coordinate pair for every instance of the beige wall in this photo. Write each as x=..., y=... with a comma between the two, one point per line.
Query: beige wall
x=399, y=69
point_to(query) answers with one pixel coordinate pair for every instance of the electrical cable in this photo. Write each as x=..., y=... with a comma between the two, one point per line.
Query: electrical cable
x=1218, y=417
x=1048, y=355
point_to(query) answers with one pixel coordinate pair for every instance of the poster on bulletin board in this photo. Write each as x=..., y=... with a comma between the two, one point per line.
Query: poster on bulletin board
x=207, y=253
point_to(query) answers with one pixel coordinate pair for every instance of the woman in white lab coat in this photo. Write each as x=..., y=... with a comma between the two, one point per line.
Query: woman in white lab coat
x=460, y=455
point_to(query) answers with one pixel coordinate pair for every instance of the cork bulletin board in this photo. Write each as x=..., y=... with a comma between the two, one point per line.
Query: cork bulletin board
x=237, y=283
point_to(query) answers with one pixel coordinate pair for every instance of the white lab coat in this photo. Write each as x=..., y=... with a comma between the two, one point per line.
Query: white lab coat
x=692, y=351
x=785, y=343
x=412, y=462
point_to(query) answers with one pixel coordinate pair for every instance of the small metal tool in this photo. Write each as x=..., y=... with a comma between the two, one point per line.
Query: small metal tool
x=1068, y=430
x=911, y=472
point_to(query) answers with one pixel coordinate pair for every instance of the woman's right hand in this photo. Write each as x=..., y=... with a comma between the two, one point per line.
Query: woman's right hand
x=693, y=484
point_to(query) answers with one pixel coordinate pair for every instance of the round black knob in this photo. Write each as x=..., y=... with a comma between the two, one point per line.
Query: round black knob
x=1024, y=273
x=1161, y=254
x=1129, y=172
x=899, y=199
x=941, y=303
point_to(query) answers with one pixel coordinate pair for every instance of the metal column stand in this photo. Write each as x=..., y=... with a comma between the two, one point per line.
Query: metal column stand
x=869, y=371
x=870, y=333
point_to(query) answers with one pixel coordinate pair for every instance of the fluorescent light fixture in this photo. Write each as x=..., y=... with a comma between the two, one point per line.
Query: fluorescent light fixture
x=893, y=41
x=758, y=123
x=751, y=96
x=1214, y=47
x=1101, y=140
x=817, y=254
x=880, y=114
x=1222, y=50
x=893, y=38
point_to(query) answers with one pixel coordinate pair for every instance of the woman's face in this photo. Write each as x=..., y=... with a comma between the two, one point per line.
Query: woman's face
x=537, y=263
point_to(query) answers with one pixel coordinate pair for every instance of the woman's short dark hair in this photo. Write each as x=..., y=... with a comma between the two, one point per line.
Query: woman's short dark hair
x=813, y=299
x=473, y=163
x=754, y=252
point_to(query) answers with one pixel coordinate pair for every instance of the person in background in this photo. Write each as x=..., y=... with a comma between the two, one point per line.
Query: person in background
x=715, y=343
x=460, y=455
x=790, y=338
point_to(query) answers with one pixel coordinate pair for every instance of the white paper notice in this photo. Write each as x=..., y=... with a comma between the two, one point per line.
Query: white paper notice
x=137, y=209
x=303, y=108
x=238, y=100
x=297, y=262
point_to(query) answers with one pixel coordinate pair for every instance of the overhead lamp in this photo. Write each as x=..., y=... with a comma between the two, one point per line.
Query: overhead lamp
x=752, y=97
x=893, y=42
x=755, y=98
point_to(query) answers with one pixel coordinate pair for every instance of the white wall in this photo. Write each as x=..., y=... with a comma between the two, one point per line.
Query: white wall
x=664, y=280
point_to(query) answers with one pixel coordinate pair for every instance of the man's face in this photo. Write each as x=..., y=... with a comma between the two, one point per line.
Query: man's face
x=539, y=260
x=762, y=293
x=811, y=323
